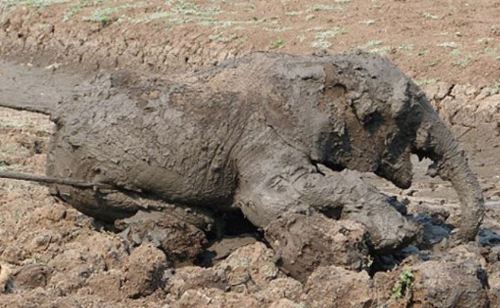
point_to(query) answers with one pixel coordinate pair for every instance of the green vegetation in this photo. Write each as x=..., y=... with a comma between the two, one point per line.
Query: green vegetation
x=496, y=87
x=404, y=284
x=406, y=48
x=183, y=12
x=279, y=43
x=106, y=15
x=102, y=16
x=425, y=82
x=337, y=6
x=321, y=40
x=77, y=7
x=430, y=16
x=294, y=13
x=310, y=17
x=219, y=37
x=460, y=59
x=493, y=52
x=324, y=7
x=367, y=22
x=451, y=45
x=375, y=46
x=32, y=3
x=186, y=8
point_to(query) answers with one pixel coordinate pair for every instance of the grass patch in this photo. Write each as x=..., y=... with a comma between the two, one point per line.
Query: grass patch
x=375, y=46
x=183, y=12
x=219, y=37
x=451, y=45
x=338, y=5
x=372, y=44
x=32, y=3
x=422, y=52
x=186, y=8
x=428, y=15
x=278, y=44
x=433, y=63
x=425, y=82
x=493, y=52
x=294, y=13
x=404, y=285
x=152, y=17
x=310, y=17
x=495, y=87
x=74, y=9
x=321, y=40
x=367, y=22
x=102, y=15
x=325, y=8
x=406, y=48
x=460, y=59
x=106, y=15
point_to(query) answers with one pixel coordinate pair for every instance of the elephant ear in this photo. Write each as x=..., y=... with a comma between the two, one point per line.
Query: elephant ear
x=291, y=97
x=362, y=92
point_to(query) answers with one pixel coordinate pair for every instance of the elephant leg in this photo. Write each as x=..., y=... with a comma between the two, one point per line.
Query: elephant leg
x=364, y=203
x=178, y=230
x=284, y=180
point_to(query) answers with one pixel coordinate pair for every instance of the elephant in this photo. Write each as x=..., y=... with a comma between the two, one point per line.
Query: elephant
x=265, y=134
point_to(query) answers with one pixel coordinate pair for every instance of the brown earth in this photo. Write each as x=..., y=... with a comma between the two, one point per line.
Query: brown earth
x=455, y=42
x=53, y=256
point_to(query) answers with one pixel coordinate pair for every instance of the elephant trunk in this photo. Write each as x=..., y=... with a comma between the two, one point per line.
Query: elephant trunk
x=435, y=141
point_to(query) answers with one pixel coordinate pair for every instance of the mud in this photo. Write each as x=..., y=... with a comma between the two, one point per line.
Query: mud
x=342, y=243
x=256, y=149
x=47, y=267
x=429, y=42
x=53, y=256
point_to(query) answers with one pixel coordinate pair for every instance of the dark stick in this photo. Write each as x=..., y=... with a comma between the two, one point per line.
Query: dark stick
x=50, y=180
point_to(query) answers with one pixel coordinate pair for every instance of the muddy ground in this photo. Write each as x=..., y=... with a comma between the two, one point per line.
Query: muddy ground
x=457, y=42
x=53, y=256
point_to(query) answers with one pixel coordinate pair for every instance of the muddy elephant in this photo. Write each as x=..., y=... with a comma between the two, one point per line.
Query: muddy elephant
x=266, y=134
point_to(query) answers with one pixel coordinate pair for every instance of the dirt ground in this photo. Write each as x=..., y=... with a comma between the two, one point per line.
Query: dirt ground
x=53, y=256
x=451, y=41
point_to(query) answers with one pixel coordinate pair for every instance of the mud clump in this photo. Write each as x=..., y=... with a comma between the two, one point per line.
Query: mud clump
x=450, y=279
x=304, y=243
x=181, y=241
x=144, y=271
x=248, y=277
x=31, y=276
x=180, y=280
x=333, y=286
x=215, y=298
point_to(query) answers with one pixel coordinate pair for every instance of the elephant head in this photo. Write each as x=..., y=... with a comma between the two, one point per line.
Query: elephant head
x=378, y=118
